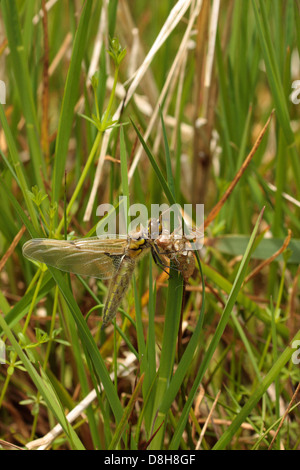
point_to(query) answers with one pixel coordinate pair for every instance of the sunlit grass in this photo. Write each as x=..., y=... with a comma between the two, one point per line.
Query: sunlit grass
x=149, y=379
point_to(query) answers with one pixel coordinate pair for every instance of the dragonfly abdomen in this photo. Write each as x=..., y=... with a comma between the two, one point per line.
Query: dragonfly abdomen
x=117, y=289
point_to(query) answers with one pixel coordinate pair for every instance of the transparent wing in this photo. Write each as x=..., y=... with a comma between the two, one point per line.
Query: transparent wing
x=94, y=257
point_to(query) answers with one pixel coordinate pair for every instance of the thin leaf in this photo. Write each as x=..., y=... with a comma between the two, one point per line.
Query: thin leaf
x=69, y=100
x=217, y=336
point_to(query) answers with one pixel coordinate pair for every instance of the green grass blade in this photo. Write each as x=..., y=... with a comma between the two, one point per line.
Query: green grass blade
x=124, y=177
x=69, y=100
x=19, y=211
x=217, y=336
x=21, y=308
x=186, y=359
x=123, y=423
x=244, y=300
x=256, y=395
x=18, y=167
x=170, y=178
x=22, y=77
x=124, y=171
x=90, y=345
x=28, y=29
x=170, y=336
x=44, y=389
x=80, y=367
x=273, y=76
x=155, y=167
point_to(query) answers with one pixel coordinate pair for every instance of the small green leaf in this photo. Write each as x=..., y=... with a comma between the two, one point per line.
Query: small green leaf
x=36, y=195
x=116, y=51
x=28, y=401
x=95, y=80
x=10, y=370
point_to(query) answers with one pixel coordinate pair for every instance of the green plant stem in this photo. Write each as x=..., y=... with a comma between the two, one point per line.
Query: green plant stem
x=111, y=98
x=81, y=181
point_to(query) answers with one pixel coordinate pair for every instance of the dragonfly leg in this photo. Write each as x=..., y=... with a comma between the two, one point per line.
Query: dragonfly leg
x=158, y=261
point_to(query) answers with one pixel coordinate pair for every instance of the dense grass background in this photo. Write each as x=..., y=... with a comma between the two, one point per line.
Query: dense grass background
x=212, y=364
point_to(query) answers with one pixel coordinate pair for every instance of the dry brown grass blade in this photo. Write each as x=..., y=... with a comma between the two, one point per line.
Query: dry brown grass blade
x=129, y=32
x=9, y=445
x=227, y=422
x=286, y=196
x=3, y=46
x=44, y=442
x=102, y=37
x=170, y=24
x=269, y=260
x=207, y=420
x=216, y=209
x=60, y=54
x=12, y=247
x=206, y=94
x=173, y=72
x=197, y=410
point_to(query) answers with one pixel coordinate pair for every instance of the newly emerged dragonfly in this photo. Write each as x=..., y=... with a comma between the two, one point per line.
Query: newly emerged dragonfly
x=112, y=258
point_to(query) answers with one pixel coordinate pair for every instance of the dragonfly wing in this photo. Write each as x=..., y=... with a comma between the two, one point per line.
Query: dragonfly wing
x=94, y=257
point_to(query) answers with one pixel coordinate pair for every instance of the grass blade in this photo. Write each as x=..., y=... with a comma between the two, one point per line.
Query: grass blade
x=256, y=396
x=217, y=336
x=90, y=344
x=155, y=167
x=22, y=77
x=69, y=100
x=45, y=390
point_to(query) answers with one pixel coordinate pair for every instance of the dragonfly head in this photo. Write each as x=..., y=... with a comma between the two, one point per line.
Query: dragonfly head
x=151, y=232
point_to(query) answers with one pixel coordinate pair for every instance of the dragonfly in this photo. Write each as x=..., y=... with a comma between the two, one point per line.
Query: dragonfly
x=113, y=258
